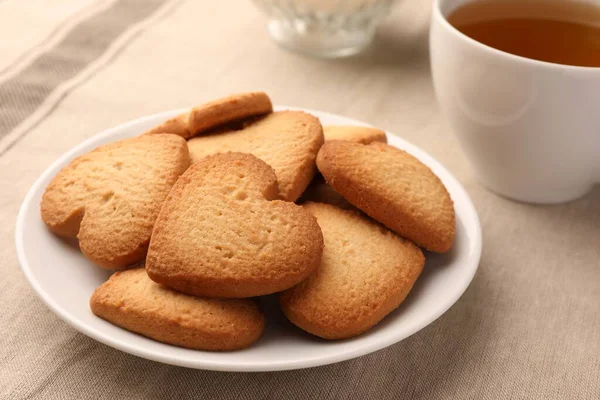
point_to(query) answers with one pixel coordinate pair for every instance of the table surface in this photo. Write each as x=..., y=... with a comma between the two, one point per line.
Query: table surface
x=527, y=327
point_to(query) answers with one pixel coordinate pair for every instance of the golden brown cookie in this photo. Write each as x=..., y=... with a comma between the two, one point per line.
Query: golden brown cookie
x=218, y=112
x=220, y=233
x=110, y=197
x=392, y=187
x=365, y=273
x=359, y=134
x=131, y=300
x=287, y=140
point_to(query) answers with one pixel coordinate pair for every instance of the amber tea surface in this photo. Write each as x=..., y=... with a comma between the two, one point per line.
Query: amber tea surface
x=562, y=32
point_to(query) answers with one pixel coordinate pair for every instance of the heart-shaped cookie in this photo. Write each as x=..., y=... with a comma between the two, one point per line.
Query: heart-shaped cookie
x=129, y=299
x=220, y=233
x=392, y=187
x=110, y=197
x=287, y=140
x=365, y=273
x=214, y=113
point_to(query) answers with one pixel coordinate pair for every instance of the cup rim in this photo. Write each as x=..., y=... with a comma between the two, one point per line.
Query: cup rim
x=437, y=13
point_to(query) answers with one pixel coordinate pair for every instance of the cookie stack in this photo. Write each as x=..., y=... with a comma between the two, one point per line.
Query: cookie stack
x=222, y=204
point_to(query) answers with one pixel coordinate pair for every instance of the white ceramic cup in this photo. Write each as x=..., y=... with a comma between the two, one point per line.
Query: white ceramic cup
x=530, y=129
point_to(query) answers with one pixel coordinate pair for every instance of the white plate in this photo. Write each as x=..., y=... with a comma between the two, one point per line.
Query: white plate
x=65, y=280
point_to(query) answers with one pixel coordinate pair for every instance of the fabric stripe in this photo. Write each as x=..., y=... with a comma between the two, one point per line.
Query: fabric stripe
x=56, y=97
x=57, y=34
x=22, y=94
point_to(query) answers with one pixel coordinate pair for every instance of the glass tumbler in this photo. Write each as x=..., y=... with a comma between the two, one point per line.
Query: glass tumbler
x=324, y=28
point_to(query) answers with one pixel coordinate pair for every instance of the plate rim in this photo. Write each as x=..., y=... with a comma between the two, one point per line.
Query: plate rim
x=471, y=266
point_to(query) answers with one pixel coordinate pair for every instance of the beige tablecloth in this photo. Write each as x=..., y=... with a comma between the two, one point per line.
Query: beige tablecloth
x=527, y=327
